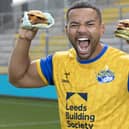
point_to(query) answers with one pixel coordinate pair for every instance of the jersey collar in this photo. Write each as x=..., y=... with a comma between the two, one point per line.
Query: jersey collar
x=96, y=58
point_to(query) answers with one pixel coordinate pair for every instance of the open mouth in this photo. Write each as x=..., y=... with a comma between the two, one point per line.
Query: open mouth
x=83, y=45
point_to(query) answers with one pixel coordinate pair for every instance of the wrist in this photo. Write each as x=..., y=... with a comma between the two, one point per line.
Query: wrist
x=26, y=34
x=24, y=38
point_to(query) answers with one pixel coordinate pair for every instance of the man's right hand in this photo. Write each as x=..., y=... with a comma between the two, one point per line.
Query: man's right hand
x=27, y=34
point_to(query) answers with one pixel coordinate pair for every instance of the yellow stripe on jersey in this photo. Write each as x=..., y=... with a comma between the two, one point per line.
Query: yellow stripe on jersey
x=40, y=72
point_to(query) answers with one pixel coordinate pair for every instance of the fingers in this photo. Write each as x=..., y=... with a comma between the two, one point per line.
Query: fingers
x=27, y=34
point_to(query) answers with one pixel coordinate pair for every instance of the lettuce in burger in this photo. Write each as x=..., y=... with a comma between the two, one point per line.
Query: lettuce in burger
x=122, y=30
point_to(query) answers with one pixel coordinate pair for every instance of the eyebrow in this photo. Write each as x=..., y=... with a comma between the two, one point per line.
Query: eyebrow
x=76, y=22
x=91, y=21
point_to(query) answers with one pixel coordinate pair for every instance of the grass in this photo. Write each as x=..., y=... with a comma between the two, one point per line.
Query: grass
x=24, y=113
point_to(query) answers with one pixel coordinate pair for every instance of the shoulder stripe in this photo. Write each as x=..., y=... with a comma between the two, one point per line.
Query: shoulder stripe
x=128, y=83
x=40, y=72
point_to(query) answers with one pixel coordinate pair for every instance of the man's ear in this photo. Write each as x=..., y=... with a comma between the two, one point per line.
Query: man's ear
x=102, y=28
x=66, y=27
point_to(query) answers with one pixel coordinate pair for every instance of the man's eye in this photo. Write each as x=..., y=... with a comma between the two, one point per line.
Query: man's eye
x=74, y=25
x=90, y=24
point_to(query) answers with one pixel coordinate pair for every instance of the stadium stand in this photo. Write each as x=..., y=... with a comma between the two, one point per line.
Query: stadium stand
x=122, y=2
x=54, y=39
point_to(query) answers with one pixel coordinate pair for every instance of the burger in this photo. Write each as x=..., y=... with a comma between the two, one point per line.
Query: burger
x=122, y=29
x=37, y=17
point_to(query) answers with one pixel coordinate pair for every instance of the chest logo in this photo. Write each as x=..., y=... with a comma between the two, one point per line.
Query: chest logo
x=105, y=76
x=82, y=95
x=66, y=77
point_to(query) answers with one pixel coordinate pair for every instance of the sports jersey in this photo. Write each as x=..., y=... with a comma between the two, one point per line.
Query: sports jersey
x=92, y=94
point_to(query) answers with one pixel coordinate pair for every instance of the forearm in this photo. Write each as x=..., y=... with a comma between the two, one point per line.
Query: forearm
x=19, y=61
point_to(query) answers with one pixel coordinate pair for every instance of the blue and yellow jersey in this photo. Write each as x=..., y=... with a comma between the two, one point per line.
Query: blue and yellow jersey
x=92, y=94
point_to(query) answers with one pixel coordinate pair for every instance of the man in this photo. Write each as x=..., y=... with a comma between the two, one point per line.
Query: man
x=91, y=79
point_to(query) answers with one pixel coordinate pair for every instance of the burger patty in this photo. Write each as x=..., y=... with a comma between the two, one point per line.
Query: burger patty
x=122, y=29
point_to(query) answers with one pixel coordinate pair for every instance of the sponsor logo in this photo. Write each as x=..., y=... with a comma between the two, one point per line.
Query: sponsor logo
x=82, y=95
x=76, y=114
x=105, y=76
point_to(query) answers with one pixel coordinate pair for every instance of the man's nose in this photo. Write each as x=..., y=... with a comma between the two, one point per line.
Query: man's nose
x=82, y=28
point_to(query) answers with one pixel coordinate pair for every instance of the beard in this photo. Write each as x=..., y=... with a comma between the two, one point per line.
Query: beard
x=91, y=48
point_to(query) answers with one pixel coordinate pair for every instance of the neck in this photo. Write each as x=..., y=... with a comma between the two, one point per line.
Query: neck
x=97, y=51
x=101, y=50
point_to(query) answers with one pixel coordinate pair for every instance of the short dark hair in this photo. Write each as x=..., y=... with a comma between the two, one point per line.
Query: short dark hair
x=83, y=4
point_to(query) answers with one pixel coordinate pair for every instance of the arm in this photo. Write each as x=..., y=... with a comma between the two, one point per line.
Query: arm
x=22, y=71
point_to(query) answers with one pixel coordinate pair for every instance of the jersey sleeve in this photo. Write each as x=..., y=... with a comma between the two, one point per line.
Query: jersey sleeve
x=45, y=69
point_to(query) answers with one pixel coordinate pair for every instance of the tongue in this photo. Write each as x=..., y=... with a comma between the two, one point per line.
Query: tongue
x=83, y=44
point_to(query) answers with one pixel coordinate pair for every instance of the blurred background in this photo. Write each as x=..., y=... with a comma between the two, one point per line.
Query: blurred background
x=54, y=39
x=29, y=113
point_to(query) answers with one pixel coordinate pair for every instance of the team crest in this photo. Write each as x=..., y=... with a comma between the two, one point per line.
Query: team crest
x=105, y=76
